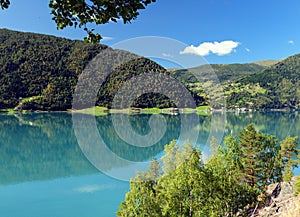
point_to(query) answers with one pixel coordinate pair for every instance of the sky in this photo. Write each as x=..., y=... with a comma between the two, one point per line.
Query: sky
x=220, y=31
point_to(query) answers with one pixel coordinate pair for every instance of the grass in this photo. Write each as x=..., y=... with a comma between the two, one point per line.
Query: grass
x=99, y=111
x=252, y=89
x=203, y=108
x=261, y=91
x=151, y=111
x=9, y=111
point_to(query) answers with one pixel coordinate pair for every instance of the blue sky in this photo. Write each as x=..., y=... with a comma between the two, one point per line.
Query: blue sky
x=252, y=30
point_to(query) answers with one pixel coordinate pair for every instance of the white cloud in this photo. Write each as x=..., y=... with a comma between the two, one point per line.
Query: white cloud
x=107, y=38
x=219, y=48
x=291, y=42
x=166, y=55
x=247, y=49
x=92, y=188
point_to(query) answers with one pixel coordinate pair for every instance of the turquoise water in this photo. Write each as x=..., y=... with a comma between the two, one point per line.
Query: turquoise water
x=45, y=173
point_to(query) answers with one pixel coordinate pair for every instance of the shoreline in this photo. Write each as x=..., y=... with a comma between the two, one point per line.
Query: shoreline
x=100, y=111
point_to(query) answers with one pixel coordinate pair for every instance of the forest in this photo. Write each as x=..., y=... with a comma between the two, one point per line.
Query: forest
x=40, y=72
x=231, y=182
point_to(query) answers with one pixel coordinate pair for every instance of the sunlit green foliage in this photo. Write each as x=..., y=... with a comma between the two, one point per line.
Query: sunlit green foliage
x=40, y=65
x=47, y=68
x=252, y=86
x=233, y=179
x=289, y=152
x=297, y=186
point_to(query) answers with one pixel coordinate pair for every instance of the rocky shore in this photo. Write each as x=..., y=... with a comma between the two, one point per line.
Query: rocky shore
x=280, y=202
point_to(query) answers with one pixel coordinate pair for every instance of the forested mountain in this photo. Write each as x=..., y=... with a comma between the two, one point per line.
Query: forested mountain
x=41, y=72
x=33, y=65
x=224, y=72
x=274, y=87
x=261, y=85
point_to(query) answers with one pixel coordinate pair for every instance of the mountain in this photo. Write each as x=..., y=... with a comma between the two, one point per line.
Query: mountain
x=269, y=84
x=217, y=81
x=267, y=63
x=288, y=68
x=40, y=72
x=278, y=84
x=224, y=72
x=30, y=63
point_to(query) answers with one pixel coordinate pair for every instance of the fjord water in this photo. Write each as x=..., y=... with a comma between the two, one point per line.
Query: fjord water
x=44, y=172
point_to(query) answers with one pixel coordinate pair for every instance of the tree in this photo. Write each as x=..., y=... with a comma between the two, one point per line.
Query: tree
x=188, y=188
x=228, y=184
x=185, y=191
x=169, y=159
x=259, y=157
x=231, y=195
x=80, y=13
x=289, y=154
x=142, y=199
x=297, y=186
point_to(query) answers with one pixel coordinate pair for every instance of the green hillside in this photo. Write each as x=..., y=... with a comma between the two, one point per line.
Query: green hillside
x=224, y=72
x=267, y=63
x=269, y=84
x=281, y=83
x=32, y=65
x=40, y=72
x=227, y=75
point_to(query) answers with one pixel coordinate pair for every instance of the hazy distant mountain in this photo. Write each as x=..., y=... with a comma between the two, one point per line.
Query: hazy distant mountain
x=267, y=63
x=224, y=72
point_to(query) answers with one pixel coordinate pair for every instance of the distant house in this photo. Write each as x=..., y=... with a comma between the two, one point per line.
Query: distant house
x=173, y=111
x=135, y=110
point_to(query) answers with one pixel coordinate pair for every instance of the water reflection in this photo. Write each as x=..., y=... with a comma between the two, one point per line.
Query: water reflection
x=43, y=146
x=39, y=147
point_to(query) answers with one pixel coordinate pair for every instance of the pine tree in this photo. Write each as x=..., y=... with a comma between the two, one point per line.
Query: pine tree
x=230, y=195
x=259, y=157
x=289, y=154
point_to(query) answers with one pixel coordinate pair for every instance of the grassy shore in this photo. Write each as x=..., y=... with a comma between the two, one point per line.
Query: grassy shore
x=99, y=111
x=7, y=111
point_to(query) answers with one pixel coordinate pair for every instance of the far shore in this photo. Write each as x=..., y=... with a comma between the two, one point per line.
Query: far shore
x=100, y=111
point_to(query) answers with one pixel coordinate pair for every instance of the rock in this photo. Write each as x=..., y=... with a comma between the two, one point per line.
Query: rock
x=280, y=202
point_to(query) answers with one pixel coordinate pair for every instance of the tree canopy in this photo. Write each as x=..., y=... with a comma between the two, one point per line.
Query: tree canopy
x=44, y=70
x=230, y=183
x=80, y=13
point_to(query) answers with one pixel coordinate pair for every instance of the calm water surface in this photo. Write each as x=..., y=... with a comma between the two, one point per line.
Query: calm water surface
x=44, y=172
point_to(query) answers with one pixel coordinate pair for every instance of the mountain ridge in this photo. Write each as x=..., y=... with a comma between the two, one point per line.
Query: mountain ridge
x=40, y=72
